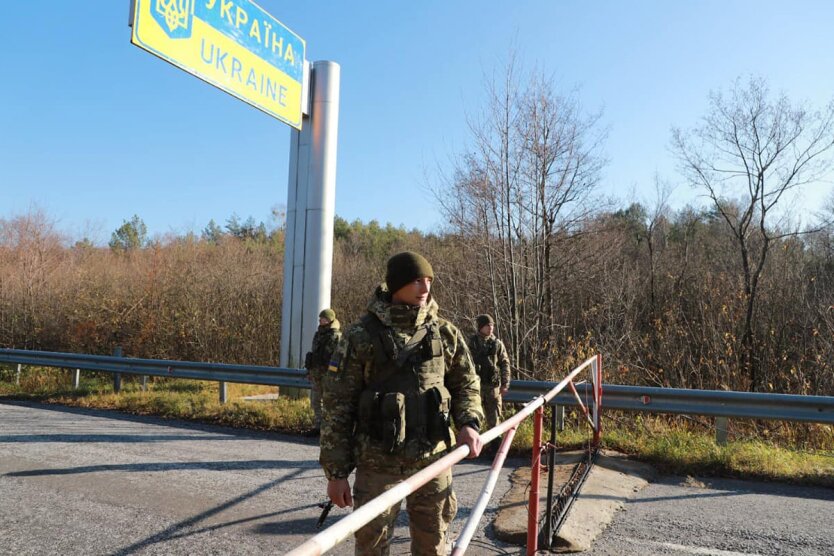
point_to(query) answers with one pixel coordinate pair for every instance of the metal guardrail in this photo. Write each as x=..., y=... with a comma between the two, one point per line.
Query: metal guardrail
x=221, y=372
x=716, y=403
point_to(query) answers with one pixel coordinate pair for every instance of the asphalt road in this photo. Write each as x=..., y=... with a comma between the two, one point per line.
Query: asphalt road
x=722, y=517
x=90, y=482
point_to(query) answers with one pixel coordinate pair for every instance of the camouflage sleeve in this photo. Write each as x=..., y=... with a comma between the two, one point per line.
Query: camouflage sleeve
x=503, y=364
x=461, y=379
x=340, y=400
x=471, y=346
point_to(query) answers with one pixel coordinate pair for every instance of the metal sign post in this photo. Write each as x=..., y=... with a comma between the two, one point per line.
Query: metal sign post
x=311, y=198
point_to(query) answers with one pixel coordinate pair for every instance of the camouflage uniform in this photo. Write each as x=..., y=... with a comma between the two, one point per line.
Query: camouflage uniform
x=325, y=341
x=346, y=442
x=492, y=365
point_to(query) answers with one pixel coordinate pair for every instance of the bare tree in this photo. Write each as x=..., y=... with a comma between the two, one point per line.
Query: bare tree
x=522, y=189
x=756, y=149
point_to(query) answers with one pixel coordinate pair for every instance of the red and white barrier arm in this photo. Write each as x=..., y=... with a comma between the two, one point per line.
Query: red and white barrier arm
x=349, y=524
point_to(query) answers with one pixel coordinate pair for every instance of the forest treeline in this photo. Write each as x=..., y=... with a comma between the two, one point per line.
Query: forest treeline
x=670, y=314
x=733, y=294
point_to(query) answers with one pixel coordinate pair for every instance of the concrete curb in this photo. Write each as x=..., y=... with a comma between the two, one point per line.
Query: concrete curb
x=613, y=480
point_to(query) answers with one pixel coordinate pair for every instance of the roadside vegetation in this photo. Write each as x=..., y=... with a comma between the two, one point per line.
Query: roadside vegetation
x=795, y=453
x=168, y=398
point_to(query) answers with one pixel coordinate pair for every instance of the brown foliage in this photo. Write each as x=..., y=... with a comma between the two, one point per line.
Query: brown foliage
x=191, y=299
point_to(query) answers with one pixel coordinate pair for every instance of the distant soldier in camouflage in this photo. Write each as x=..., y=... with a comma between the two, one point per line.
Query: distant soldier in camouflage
x=404, y=375
x=325, y=341
x=492, y=365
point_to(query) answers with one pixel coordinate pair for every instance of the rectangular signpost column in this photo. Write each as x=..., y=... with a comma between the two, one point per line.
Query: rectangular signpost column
x=311, y=207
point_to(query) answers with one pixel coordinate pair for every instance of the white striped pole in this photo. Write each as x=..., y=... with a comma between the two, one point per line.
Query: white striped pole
x=486, y=493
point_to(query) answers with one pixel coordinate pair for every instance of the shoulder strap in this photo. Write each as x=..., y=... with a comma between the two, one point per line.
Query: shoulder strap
x=377, y=333
x=411, y=345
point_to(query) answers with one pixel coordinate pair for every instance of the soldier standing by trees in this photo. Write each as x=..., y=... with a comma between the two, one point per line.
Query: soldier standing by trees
x=317, y=360
x=493, y=367
x=403, y=375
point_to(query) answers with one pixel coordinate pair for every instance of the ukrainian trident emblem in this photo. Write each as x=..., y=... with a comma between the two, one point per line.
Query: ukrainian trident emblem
x=174, y=16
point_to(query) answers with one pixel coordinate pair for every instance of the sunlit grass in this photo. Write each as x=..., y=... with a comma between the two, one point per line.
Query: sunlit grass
x=674, y=445
x=800, y=454
x=169, y=398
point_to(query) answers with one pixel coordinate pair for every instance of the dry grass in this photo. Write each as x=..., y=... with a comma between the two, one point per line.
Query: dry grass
x=788, y=453
x=175, y=399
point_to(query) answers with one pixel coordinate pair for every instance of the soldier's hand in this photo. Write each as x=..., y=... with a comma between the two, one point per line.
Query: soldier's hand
x=470, y=437
x=338, y=490
x=504, y=390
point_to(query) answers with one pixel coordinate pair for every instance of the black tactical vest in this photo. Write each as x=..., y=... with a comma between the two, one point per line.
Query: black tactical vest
x=484, y=359
x=406, y=408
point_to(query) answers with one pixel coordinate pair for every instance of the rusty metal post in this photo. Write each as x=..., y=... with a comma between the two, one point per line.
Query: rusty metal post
x=597, y=399
x=535, y=472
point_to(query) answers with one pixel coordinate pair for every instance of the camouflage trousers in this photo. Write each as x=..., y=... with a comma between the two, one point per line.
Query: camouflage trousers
x=430, y=511
x=491, y=401
x=315, y=399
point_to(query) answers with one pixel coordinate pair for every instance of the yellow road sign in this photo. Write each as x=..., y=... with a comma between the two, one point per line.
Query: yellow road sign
x=233, y=44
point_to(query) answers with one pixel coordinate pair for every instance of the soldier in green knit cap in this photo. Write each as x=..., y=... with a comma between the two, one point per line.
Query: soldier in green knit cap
x=325, y=341
x=492, y=365
x=404, y=377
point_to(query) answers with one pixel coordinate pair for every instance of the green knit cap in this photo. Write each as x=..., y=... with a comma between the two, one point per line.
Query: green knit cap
x=406, y=267
x=328, y=314
x=483, y=320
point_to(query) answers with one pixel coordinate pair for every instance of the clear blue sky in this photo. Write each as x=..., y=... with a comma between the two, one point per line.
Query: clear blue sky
x=94, y=130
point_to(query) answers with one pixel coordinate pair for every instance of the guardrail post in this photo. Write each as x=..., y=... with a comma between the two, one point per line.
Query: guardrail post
x=76, y=380
x=144, y=383
x=535, y=472
x=117, y=377
x=17, y=378
x=721, y=431
x=224, y=391
x=559, y=411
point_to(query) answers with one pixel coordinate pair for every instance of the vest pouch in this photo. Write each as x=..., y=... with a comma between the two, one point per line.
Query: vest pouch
x=308, y=360
x=431, y=347
x=438, y=413
x=491, y=348
x=488, y=375
x=392, y=420
x=369, y=414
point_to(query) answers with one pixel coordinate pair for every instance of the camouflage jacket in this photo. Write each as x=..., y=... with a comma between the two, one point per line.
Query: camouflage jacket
x=491, y=360
x=342, y=445
x=325, y=341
